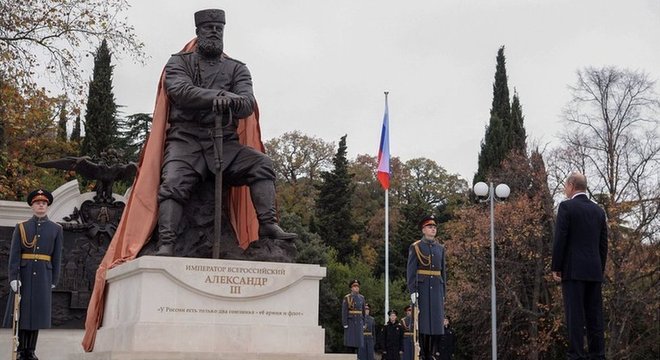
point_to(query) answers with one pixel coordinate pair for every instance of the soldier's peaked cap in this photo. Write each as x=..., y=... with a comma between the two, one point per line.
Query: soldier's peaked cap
x=427, y=220
x=392, y=312
x=40, y=195
x=353, y=282
x=209, y=15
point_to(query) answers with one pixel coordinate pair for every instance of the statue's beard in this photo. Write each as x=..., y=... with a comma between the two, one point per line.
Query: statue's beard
x=209, y=47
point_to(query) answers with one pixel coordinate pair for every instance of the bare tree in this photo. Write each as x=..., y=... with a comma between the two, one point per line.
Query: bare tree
x=611, y=135
x=52, y=37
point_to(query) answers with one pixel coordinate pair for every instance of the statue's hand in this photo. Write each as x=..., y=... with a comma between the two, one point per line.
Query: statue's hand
x=221, y=103
x=227, y=99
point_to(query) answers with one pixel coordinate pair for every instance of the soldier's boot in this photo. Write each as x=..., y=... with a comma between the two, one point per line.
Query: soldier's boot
x=31, y=345
x=22, y=342
x=263, y=198
x=169, y=217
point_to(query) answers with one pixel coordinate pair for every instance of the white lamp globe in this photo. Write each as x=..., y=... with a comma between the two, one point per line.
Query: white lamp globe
x=502, y=191
x=480, y=189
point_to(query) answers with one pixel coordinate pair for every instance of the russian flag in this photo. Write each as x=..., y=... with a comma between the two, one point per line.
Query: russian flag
x=384, y=151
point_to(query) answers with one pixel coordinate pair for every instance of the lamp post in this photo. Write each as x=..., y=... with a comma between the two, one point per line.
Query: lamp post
x=502, y=191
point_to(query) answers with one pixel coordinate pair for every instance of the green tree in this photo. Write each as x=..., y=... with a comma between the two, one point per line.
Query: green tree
x=518, y=133
x=61, y=122
x=333, y=205
x=298, y=160
x=133, y=132
x=426, y=188
x=101, y=128
x=503, y=132
x=75, y=133
x=299, y=156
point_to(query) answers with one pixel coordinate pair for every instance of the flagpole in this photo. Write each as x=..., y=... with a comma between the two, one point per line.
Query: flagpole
x=387, y=254
x=387, y=240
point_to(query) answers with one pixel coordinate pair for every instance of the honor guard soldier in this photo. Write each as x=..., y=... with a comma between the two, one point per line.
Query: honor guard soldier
x=367, y=351
x=34, y=269
x=408, y=326
x=392, y=338
x=426, y=279
x=352, y=317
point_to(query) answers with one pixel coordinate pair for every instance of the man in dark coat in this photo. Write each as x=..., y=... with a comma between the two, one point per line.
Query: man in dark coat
x=34, y=269
x=352, y=317
x=200, y=84
x=408, y=327
x=392, y=338
x=579, y=254
x=426, y=277
x=366, y=352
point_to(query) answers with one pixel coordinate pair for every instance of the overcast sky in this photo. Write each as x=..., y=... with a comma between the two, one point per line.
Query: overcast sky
x=321, y=67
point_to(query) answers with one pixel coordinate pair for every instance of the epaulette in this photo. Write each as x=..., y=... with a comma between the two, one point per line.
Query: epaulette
x=416, y=242
x=224, y=56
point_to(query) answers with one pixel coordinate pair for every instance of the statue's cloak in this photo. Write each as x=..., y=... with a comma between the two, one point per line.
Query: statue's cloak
x=141, y=213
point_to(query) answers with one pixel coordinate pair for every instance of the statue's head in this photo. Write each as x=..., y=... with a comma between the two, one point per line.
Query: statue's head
x=210, y=26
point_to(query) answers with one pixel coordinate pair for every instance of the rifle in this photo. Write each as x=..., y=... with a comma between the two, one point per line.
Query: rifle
x=15, y=321
x=416, y=330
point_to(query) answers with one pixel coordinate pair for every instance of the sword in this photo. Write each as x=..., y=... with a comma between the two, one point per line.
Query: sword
x=217, y=145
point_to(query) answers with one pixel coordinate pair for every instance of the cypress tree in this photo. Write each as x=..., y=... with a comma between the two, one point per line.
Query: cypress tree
x=100, y=116
x=133, y=131
x=75, y=133
x=333, y=207
x=496, y=144
x=518, y=133
x=61, y=123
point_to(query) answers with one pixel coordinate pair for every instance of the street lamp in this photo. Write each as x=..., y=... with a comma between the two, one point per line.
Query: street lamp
x=502, y=191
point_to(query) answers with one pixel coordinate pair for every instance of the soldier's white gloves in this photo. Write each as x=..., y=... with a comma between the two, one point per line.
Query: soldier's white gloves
x=15, y=284
x=345, y=326
x=52, y=286
x=413, y=298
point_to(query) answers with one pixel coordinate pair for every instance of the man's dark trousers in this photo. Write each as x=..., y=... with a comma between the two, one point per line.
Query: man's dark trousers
x=583, y=304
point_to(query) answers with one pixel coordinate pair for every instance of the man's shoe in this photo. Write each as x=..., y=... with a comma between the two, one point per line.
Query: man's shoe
x=29, y=355
x=165, y=250
x=274, y=231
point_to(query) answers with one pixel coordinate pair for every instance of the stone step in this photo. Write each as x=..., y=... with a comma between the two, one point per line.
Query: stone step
x=208, y=356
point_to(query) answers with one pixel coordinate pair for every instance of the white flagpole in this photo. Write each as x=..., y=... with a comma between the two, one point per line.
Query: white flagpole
x=387, y=256
x=387, y=236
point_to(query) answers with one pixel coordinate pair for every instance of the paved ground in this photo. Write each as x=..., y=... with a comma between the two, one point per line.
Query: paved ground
x=52, y=344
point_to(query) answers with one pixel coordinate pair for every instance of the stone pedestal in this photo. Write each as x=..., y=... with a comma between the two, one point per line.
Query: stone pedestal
x=186, y=308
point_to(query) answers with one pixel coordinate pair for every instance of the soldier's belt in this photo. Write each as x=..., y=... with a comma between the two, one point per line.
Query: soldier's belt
x=407, y=334
x=355, y=312
x=368, y=334
x=41, y=257
x=429, y=272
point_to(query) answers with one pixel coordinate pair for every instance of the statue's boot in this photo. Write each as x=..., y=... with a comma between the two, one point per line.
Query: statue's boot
x=263, y=198
x=169, y=217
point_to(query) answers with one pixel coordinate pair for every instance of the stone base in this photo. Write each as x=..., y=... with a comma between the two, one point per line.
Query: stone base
x=207, y=356
x=201, y=308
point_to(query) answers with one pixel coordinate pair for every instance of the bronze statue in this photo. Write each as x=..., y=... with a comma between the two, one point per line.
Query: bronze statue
x=201, y=85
